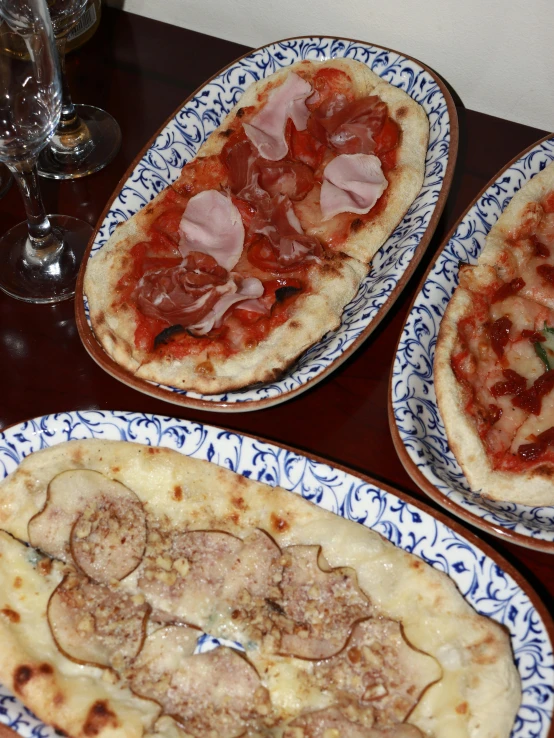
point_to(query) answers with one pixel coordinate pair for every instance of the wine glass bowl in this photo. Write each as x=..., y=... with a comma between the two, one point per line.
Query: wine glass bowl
x=40, y=258
x=87, y=138
x=30, y=106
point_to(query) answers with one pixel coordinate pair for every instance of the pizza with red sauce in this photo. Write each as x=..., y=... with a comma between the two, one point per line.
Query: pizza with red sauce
x=494, y=364
x=251, y=255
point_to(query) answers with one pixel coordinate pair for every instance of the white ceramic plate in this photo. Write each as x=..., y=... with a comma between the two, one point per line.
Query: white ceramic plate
x=418, y=429
x=488, y=583
x=179, y=140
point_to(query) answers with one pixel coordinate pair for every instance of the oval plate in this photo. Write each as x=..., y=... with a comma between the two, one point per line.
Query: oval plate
x=416, y=426
x=486, y=580
x=161, y=161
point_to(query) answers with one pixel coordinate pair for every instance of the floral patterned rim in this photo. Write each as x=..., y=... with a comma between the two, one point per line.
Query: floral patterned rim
x=178, y=141
x=416, y=426
x=485, y=579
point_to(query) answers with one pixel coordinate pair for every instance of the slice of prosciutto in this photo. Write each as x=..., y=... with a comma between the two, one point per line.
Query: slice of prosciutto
x=352, y=183
x=266, y=130
x=196, y=294
x=211, y=224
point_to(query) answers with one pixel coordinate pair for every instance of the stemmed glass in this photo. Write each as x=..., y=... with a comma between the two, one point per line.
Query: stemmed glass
x=39, y=259
x=87, y=138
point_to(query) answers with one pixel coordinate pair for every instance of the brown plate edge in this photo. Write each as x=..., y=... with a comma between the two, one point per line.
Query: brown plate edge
x=409, y=465
x=96, y=351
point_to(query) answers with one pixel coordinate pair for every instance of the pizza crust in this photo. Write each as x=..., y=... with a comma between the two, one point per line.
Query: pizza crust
x=478, y=693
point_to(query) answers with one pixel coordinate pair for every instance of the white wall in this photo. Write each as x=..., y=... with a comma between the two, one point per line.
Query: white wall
x=497, y=54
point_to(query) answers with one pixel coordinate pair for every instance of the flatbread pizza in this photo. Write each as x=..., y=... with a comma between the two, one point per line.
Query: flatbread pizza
x=495, y=354
x=251, y=255
x=116, y=557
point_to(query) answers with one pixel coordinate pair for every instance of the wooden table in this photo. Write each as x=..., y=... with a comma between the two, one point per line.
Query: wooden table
x=140, y=71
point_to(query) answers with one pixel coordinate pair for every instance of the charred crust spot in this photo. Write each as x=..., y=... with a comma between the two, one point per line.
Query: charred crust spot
x=58, y=730
x=239, y=502
x=402, y=112
x=12, y=615
x=240, y=112
x=21, y=676
x=177, y=493
x=461, y=709
x=544, y=470
x=281, y=293
x=205, y=369
x=416, y=564
x=227, y=133
x=167, y=334
x=116, y=469
x=153, y=450
x=99, y=717
x=294, y=324
x=356, y=224
x=330, y=270
x=100, y=319
x=59, y=699
x=18, y=582
x=46, y=669
x=278, y=523
x=234, y=518
x=77, y=457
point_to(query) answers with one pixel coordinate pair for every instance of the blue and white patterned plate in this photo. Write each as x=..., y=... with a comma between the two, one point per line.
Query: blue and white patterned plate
x=183, y=135
x=488, y=583
x=420, y=437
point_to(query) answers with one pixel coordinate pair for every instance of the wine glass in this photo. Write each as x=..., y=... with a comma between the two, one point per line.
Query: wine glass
x=5, y=179
x=39, y=259
x=87, y=138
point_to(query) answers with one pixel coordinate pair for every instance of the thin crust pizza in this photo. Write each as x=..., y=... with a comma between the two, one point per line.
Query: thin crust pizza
x=494, y=362
x=251, y=255
x=136, y=551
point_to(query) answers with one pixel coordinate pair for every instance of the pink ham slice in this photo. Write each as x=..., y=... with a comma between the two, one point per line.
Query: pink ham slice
x=352, y=183
x=211, y=224
x=266, y=130
x=249, y=289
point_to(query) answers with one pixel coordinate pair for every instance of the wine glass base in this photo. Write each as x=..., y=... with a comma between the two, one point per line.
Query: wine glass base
x=106, y=135
x=31, y=283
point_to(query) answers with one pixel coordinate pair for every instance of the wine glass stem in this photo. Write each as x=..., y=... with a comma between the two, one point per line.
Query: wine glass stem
x=68, y=117
x=41, y=236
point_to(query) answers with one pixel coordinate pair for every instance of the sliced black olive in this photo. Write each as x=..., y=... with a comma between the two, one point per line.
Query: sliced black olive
x=281, y=293
x=167, y=334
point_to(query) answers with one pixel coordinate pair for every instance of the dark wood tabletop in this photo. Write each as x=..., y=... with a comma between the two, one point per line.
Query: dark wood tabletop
x=140, y=70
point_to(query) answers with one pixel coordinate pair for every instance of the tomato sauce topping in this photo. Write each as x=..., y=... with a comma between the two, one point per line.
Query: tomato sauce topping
x=531, y=399
x=540, y=249
x=514, y=384
x=508, y=290
x=499, y=333
x=546, y=271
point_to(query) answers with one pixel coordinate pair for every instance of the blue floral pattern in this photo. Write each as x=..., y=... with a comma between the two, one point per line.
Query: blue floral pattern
x=413, y=394
x=489, y=589
x=181, y=138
